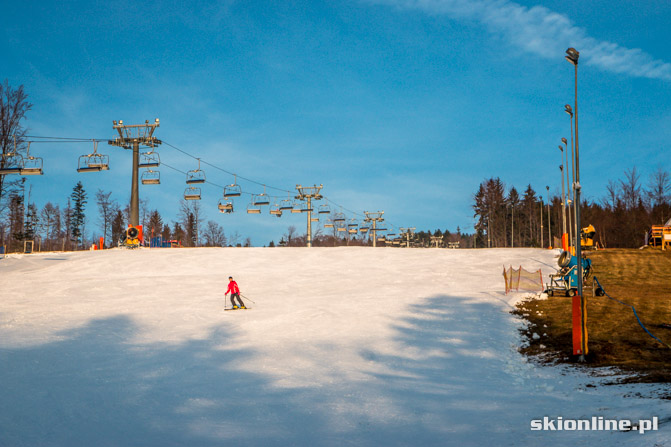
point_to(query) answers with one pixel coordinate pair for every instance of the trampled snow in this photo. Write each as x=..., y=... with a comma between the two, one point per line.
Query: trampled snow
x=342, y=346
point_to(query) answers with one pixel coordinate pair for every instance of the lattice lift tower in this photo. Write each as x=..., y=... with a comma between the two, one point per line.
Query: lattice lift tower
x=132, y=136
x=374, y=218
x=308, y=193
x=407, y=232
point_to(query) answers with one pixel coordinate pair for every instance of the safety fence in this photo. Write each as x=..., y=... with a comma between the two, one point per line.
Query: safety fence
x=520, y=280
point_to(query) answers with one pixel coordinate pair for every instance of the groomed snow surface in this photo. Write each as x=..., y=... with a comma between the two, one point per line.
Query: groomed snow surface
x=343, y=346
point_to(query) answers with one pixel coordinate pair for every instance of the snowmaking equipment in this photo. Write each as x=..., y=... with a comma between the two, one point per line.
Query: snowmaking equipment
x=587, y=238
x=565, y=281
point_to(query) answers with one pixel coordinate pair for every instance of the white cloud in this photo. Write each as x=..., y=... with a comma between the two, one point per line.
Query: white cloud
x=541, y=31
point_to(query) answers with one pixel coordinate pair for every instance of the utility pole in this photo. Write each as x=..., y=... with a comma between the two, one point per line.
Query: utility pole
x=407, y=232
x=549, y=226
x=308, y=193
x=132, y=136
x=374, y=218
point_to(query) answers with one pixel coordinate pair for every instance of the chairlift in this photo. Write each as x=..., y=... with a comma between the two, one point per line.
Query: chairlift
x=286, y=205
x=12, y=163
x=297, y=208
x=94, y=162
x=340, y=222
x=353, y=227
x=31, y=165
x=324, y=209
x=328, y=225
x=192, y=193
x=338, y=217
x=305, y=208
x=253, y=208
x=225, y=206
x=314, y=219
x=262, y=199
x=275, y=210
x=149, y=160
x=232, y=190
x=363, y=230
x=195, y=176
x=151, y=177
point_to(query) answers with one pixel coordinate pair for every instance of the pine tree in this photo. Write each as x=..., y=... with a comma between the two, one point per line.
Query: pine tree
x=78, y=216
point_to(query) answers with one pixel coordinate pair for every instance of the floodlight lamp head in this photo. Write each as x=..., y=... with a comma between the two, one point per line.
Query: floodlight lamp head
x=568, y=109
x=563, y=140
x=572, y=56
x=156, y=121
x=120, y=122
x=114, y=122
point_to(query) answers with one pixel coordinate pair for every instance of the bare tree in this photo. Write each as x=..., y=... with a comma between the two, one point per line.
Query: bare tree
x=214, y=235
x=13, y=108
x=107, y=210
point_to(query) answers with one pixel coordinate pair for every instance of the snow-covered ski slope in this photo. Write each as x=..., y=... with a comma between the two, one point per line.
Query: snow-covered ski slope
x=343, y=346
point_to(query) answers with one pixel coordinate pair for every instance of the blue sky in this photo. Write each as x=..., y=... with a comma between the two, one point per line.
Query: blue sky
x=396, y=105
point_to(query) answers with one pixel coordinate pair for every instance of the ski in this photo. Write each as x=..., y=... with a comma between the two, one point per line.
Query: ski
x=246, y=308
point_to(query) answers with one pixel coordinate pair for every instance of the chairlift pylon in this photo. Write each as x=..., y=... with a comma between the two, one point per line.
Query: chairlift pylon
x=195, y=176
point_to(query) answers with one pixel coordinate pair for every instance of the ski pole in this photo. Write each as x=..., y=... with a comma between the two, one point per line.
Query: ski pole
x=248, y=298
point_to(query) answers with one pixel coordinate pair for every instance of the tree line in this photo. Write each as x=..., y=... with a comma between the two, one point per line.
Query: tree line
x=622, y=218
x=57, y=227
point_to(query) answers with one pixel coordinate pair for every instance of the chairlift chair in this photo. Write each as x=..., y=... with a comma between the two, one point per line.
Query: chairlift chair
x=286, y=205
x=262, y=199
x=151, y=177
x=253, y=208
x=195, y=176
x=363, y=230
x=328, y=225
x=297, y=208
x=324, y=209
x=149, y=160
x=314, y=219
x=232, y=190
x=275, y=210
x=94, y=162
x=338, y=217
x=31, y=165
x=192, y=193
x=225, y=206
x=12, y=163
x=305, y=208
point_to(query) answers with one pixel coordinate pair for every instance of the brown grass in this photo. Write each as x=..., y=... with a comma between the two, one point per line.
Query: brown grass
x=641, y=278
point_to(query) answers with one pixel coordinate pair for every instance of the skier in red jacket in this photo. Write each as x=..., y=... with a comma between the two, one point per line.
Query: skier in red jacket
x=235, y=293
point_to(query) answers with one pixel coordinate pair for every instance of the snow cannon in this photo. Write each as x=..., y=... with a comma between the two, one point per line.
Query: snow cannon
x=566, y=279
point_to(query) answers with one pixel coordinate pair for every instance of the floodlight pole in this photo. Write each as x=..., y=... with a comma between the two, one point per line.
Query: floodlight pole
x=572, y=56
x=549, y=225
x=308, y=193
x=375, y=218
x=131, y=137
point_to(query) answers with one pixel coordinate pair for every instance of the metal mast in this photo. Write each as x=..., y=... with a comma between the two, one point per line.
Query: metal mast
x=407, y=232
x=308, y=193
x=132, y=136
x=374, y=218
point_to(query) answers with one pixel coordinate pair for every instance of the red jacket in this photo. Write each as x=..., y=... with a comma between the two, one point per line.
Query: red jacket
x=232, y=288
